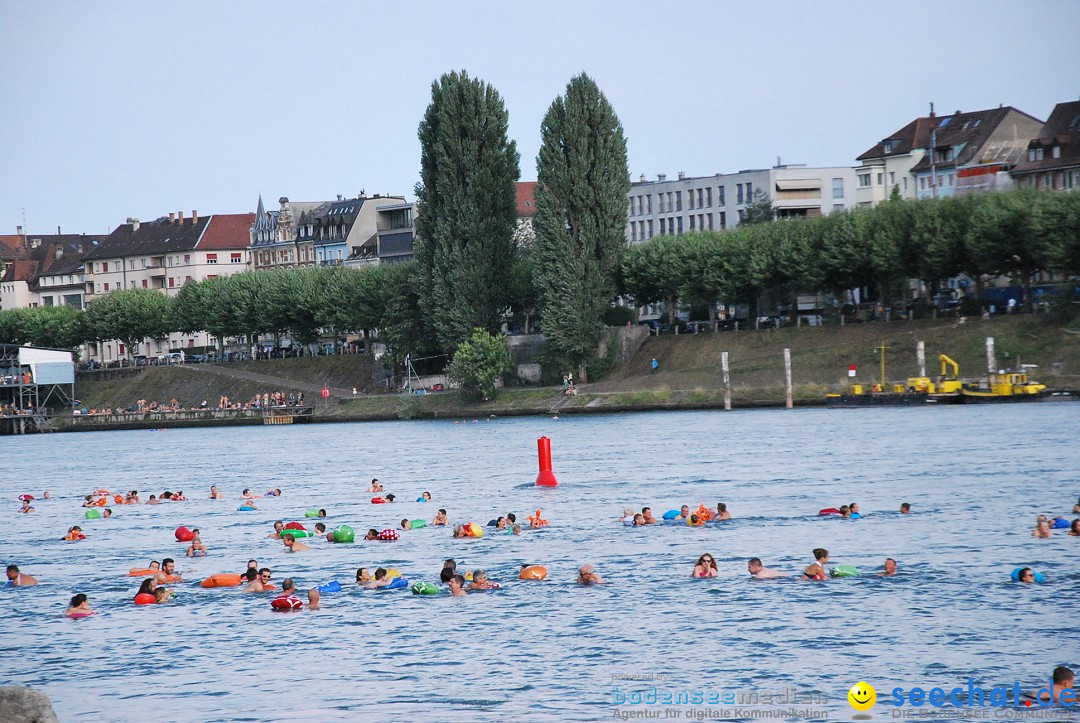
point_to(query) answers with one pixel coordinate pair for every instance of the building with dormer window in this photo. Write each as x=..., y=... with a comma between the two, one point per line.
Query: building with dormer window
x=1052, y=158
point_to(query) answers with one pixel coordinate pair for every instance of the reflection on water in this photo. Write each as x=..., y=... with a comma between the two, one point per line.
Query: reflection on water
x=976, y=478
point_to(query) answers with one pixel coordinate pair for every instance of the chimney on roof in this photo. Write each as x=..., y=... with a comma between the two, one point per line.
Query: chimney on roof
x=643, y=178
x=18, y=230
x=134, y=224
x=172, y=217
x=339, y=197
x=376, y=196
x=180, y=217
x=682, y=175
x=59, y=250
x=194, y=215
x=957, y=111
x=661, y=176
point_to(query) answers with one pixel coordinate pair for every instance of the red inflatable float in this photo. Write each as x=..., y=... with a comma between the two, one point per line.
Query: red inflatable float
x=183, y=534
x=294, y=526
x=389, y=535
x=26, y=498
x=829, y=511
x=145, y=598
x=378, y=501
x=286, y=603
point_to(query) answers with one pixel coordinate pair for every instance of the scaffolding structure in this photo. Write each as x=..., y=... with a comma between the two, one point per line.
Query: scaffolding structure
x=33, y=382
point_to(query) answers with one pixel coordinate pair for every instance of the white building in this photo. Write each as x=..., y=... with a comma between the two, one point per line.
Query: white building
x=716, y=203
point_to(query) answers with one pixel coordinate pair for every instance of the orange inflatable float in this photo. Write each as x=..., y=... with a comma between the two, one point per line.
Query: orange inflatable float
x=73, y=535
x=535, y=520
x=118, y=499
x=224, y=579
x=533, y=572
x=143, y=572
x=704, y=513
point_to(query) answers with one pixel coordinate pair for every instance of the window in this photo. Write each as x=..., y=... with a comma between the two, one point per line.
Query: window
x=211, y=276
x=699, y=203
x=187, y=258
x=864, y=180
x=650, y=228
x=880, y=179
x=709, y=217
x=837, y=207
x=723, y=220
x=678, y=200
x=943, y=155
x=1055, y=152
x=131, y=265
x=106, y=287
x=952, y=178
x=888, y=147
x=708, y=196
x=720, y=196
x=838, y=188
x=739, y=193
x=661, y=203
x=236, y=258
x=104, y=267
x=691, y=222
x=892, y=178
x=663, y=226
x=630, y=212
x=144, y=262
x=210, y=259
x=670, y=201
x=742, y=215
x=187, y=279
x=144, y=283
x=680, y=224
x=749, y=192
x=904, y=179
x=172, y=282
x=133, y=284
x=648, y=203
x=690, y=198
x=922, y=182
x=633, y=232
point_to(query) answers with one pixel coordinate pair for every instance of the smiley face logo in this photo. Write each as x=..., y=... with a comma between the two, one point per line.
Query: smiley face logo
x=862, y=696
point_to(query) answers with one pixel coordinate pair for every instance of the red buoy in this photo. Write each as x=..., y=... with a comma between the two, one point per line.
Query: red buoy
x=183, y=534
x=546, y=478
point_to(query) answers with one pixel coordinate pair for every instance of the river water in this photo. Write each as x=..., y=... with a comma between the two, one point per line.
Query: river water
x=976, y=478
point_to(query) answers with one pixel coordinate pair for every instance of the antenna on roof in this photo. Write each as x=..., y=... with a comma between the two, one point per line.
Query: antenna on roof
x=931, y=109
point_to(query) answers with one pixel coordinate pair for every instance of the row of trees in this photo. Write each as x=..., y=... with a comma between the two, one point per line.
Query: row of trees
x=1017, y=234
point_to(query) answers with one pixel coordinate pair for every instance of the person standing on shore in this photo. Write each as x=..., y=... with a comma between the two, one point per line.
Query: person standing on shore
x=655, y=365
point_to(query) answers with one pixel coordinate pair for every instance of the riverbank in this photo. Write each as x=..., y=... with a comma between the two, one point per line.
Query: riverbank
x=689, y=374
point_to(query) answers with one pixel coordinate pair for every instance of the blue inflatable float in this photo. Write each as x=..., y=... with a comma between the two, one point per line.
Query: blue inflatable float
x=671, y=514
x=332, y=586
x=1039, y=577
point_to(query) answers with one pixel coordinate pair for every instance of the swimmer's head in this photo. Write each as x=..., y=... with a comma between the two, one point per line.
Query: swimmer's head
x=905, y=508
x=313, y=596
x=820, y=553
x=684, y=510
x=753, y=565
x=405, y=524
x=380, y=573
x=320, y=527
x=890, y=566
x=426, y=496
x=1026, y=575
x=1063, y=676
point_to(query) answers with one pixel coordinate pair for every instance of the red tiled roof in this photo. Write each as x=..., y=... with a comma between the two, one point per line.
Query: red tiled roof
x=9, y=246
x=1061, y=129
x=227, y=231
x=526, y=198
x=915, y=134
x=21, y=270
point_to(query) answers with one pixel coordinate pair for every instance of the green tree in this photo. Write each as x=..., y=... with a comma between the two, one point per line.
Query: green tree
x=523, y=292
x=655, y=271
x=1058, y=222
x=467, y=208
x=580, y=219
x=130, y=315
x=402, y=327
x=1004, y=238
x=478, y=361
x=760, y=209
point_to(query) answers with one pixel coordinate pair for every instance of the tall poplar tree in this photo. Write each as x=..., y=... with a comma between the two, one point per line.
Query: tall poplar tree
x=467, y=209
x=580, y=222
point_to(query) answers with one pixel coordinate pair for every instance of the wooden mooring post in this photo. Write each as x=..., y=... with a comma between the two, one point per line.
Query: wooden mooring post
x=789, y=402
x=727, y=381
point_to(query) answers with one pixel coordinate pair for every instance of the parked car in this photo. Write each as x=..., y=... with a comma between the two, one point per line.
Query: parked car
x=176, y=357
x=141, y=360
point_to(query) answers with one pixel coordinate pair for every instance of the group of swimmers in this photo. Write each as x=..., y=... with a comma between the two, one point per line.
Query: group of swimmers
x=1044, y=526
x=817, y=570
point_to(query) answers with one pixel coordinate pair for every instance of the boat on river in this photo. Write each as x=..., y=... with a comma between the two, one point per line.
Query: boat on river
x=1006, y=387
x=916, y=391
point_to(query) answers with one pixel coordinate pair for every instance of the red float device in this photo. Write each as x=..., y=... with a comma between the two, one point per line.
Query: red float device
x=183, y=534
x=546, y=478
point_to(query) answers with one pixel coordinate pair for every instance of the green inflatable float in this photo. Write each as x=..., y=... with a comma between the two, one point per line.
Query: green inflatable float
x=312, y=513
x=93, y=514
x=416, y=524
x=344, y=533
x=845, y=571
x=297, y=534
x=424, y=588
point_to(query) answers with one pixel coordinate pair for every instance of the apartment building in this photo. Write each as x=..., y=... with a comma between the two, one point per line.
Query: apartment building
x=48, y=271
x=718, y=202
x=274, y=240
x=1052, y=157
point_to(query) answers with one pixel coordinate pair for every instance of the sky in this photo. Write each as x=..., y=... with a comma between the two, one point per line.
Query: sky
x=120, y=108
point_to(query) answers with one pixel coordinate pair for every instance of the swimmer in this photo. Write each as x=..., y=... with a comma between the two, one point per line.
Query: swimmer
x=88, y=501
x=890, y=568
x=1074, y=528
x=500, y=524
x=905, y=508
x=627, y=516
x=246, y=494
x=515, y=530
x=215, y=493
x=440, y=519
x=19, y=579
x=696, y=521
x=459, y=531
x=79, y=607
x=511, y=518
x=276, y=492
x=46, y=495
x=161, y=595
x=363, y=576
x=147, y=587
x=845, y=512
x=252, y=565
x=74, y=533
x=721, y=512
x=646, y=513
x=705, y=566
x=179, y=497
x=457, y=586
x=854, y=507
x=759, y=571
x=586, y=575
x=168, y=571
x=279, y=525
x=406, y=524
x=313, y=599
x=639, y=520
x=107, y=512
x=264, y=577
x=287, y=587
x=816, y=571
x=388, y=498
x=1076, y=507
x=26, y=507
x=375, y=486
x=291, y=545
x=251, y=577
x=684, y=513
x=426, y=497
x=445, y=575
x=322, y=513
x=154, y=566
x=1063, y=680
x=380, y=579
x=1027, y=575
x=1042, y=529
x=196, y=548
x=152, y=501
x=480, y=581
x=372, y=534
x=450, y=563
x=320, y=529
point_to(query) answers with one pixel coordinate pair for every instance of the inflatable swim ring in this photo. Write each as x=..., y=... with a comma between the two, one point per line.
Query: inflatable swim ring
x=312, y=513
x=535, y=520
x=145, y=598
x=245, y=508
x=296, y=534
x=388, y=535
x=420, y=499
x=845, y=571
x=73, y=536
x=417, y=524
x=392, y=572
x=424, y=588
x=533, y=572
x=1059, y=523
x=344, y=533
x=142, y=572
x=101, y=502
x=670, y=515
x=286, y=603
x=472, y=529
x=829, y=511
x=378, y=501
x=396, y=584
x=93, y=514
x=224, y=579
x=26, y=498
x=704, y=513
x=1039, y=577
x=294, y=526
x=118, y=499
x=183, y=534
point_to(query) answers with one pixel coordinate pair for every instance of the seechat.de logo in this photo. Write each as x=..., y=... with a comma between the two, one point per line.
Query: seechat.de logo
x=862, y=696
